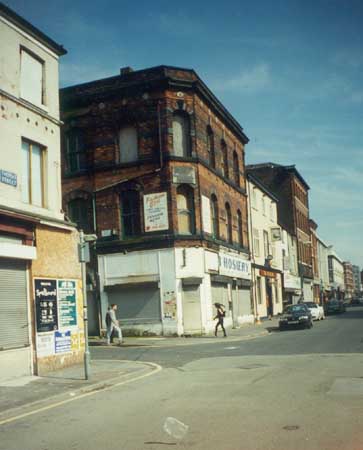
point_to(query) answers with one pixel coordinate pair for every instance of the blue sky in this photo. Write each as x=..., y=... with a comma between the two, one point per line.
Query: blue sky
x=291, y=72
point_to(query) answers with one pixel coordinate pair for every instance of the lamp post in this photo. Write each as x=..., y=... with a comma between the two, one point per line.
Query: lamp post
x=84, y=239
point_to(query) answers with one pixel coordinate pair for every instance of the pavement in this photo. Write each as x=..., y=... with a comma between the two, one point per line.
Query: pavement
x=23, y=396
x=245, y=332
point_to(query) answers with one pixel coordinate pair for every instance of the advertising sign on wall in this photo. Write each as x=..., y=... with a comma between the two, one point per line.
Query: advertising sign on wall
x=156, y=212
x=234, y=266
x=46, y=305
x=63, y=341
x=67, y=304
x=45, y=344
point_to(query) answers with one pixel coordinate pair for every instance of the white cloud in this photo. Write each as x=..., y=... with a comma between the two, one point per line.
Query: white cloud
x=251, y=80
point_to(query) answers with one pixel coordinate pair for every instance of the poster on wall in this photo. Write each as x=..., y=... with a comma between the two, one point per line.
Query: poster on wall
x=156, y=212
x=45, y=292
x=63, y=341
x=45, y=344
x=67, y=303
x=169, y=305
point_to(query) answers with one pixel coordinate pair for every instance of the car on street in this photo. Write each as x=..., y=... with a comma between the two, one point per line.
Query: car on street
x=316, y=310
x=334, y=306
x=296, y=315
x=355, y=301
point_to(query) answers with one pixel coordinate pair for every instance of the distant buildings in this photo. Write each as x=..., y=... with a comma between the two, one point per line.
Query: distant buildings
x=291, y=190
x=336, y=274
x=348, y=280
x=357, y=285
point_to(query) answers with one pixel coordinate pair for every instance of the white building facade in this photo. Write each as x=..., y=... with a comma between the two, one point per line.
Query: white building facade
x=38, y=257
x=266, y=249
x=173, y=291
x=336, y=274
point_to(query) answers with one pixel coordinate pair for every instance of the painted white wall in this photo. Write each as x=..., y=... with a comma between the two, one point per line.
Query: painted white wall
x=21, y=121
x=263, y=219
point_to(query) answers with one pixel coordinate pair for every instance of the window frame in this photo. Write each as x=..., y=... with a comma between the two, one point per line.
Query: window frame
x=87, y=225
x=79, y=155
x=134, y=214
x=188, y=192
x=240, y=227
x=236, y=175
x=42, y=149
x=229, y=225
x=224, y=166
x=215, y=216
x=211, y=147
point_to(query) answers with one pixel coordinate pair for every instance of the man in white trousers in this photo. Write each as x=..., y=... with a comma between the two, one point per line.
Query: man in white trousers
x=113, y=324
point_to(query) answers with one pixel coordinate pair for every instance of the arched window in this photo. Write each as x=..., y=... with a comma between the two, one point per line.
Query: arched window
x=210, y=147
x=224, y=158
x=181, y=135
x=214, y=216
x=240, y=228
x=79, y=211
x=75, y=151
x=185, y=206
x=130, y=214
x=235, y=168
x=128, y=143
x=229, y=223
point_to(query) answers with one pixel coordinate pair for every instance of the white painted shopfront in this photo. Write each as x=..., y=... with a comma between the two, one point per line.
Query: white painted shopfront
x=172, y=291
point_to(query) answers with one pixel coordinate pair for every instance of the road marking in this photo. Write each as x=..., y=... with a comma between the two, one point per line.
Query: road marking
x=157, y=368
x=230, y=348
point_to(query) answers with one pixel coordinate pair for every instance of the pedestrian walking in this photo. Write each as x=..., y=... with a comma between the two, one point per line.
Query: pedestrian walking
x=113, y=325
x=221, y=313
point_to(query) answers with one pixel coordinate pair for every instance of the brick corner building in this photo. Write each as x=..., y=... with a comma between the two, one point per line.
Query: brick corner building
x=154, y=164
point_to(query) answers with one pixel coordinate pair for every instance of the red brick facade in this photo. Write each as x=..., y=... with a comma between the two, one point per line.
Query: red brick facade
x=147, y=100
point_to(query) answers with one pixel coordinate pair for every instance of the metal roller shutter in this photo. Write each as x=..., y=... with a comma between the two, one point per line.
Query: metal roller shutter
x=14, y=331
x=220, y=295
x=136, y=304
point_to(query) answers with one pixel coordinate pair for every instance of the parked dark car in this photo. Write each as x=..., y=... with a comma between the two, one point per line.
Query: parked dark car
x=334, y=307
x=355, y=301
x=296, y=315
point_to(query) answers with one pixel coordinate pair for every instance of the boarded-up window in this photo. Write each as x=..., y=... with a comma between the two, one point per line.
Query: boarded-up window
x=181, y=135
x=128, y=144
x=31, y=78
x=185, y=205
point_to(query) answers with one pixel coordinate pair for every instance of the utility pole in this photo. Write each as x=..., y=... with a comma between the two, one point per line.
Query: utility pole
x=84, y=239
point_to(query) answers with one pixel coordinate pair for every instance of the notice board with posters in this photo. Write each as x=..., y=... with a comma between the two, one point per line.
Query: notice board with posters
x=58, y=310
x=46, y=307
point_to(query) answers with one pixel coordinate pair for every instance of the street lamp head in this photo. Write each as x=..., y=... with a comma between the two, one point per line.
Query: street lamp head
x=90, y=237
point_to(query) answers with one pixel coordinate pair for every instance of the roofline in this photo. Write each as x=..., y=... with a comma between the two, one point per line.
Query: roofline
x=26, y=26
x=289, y=168
x=261, y=186
x=198, y=84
